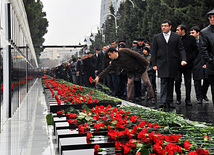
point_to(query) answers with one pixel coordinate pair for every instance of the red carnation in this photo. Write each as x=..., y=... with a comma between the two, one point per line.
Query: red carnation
x=202, y=152
x=72, y=121
x=192, y=153
x=187, y=145
x=206, y=138
x=88, y=136
x=60, y=112
x=96, y=148
x=90, y=79
x=117, y=145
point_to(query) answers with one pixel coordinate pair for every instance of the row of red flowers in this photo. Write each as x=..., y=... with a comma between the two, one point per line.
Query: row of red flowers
x=133, y=134
x=68, y=94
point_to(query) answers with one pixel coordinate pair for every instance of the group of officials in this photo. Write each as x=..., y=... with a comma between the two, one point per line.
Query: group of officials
x=132, y=71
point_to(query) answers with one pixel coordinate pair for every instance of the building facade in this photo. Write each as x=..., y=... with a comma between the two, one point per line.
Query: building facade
x=104, y=11
x=18, y=63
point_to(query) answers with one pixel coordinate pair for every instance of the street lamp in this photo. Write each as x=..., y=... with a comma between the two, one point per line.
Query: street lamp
x=92, y=31
x=115, y=19
x=132, y=3
x=118, y=3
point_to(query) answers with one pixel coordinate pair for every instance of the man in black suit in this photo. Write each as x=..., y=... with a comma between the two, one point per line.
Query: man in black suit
x=100, y=65
x=89, y=69
x=199, y=71
x=191, y=50
x=167, y=55
x=206, y=47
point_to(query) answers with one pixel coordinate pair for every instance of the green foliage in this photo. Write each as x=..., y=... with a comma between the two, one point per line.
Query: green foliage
x=37, y=22
x=146, y=16
x=49, y=119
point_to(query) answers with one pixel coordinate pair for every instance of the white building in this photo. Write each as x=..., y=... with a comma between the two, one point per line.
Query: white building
x=104, y=11
x=59, y=54
x=18, y=63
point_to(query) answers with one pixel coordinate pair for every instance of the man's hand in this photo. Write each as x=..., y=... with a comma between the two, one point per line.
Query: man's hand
x=183, y=63
x=204, y=66
x=97, y=79
x=155, y=68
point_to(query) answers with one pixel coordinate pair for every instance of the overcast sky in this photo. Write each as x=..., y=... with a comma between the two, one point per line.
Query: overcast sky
x=70, y=20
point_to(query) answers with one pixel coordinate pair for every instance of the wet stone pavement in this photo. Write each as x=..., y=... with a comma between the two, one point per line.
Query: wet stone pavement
x=197, y=112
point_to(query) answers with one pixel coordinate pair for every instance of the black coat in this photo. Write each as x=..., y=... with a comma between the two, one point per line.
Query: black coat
x=100, y=63
x=191, y=49
x=89, y=70
x=198, y=71
x=167, y=56
x=206, y=47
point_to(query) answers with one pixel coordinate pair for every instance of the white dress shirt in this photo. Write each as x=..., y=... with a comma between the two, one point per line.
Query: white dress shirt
x=166, y=36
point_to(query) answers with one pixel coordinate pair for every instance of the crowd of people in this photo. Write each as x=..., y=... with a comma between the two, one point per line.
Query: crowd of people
x=130, y=73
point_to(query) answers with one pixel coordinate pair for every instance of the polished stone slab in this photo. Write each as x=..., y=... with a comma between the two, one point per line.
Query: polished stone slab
x=106, y=151
x=68, y=133
x=76, y=143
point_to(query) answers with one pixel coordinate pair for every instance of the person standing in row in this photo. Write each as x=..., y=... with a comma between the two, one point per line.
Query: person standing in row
x=199, y=71
x=167, y=55
x=89, y=69
x=138, y=83
x=206, y=47
x=191, y=50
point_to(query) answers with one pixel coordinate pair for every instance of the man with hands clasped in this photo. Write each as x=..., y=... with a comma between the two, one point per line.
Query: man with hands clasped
x=167, y=55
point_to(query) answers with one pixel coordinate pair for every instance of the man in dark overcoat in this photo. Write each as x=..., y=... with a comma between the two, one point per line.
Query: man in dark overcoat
x=199, y=71
x=167, y=55
x=89, y=69
x=100, y=64
x=191, y=50
x=206, y=47
x=134, y=64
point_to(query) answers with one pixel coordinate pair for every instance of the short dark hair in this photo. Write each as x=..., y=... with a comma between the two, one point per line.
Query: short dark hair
x=196, y=28
x=167, y=21
x=115, y=41
x=183, y=27
x=111, y=50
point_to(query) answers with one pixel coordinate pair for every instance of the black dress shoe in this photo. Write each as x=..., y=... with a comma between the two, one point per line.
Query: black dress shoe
x=178, y=102
x=188, y=103
x=199, y=101
x=206, y=99
x=170, y=105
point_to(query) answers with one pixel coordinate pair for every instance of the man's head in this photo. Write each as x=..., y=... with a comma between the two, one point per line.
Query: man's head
x=181, y=30
x=114, y=44
x=147, y=44
x=112, y=53
x=211, y=16
x=97, y=50
x=146, y=50
x=89, y=54
x=166, y=26
x=140, y=41
x=195, y=31
x=134, y=43
x=104, y=48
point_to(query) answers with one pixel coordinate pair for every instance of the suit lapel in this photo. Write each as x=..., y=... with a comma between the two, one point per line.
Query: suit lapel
x=170, y=37
x=162, y=36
